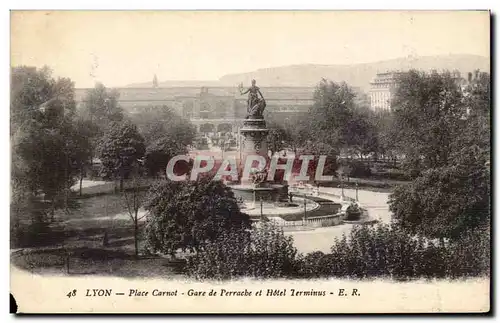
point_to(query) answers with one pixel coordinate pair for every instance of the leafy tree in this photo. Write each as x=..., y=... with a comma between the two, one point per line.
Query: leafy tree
x=120, y=147
x=331, y=113
x=134, y=197
x=276, y=138
x=386, y=138
x=82, y=146
x=101, y=106
x=476, y=125
x=428, y=111
x=159, y=153
x=100, y=110
x=293, y=130
x=446, y=201
x=361, y=133
x=167, y=135
x=159, y=122
x=43, y=133
x=31, y=91
x=187, y=215
x=452, y=195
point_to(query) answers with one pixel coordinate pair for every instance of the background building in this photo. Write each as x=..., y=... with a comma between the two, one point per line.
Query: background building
x=382, y=89
x=383, y=86
x=211, y=109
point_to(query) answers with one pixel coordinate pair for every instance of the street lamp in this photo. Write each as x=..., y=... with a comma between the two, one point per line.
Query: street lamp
x=239, y=142
x=356, y=191
x=261, y=213
x=305, y=208
x=342, y=185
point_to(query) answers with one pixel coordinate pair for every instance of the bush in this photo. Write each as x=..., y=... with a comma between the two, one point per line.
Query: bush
x=30, y=224
x=471, y=255
x=353, y=212
x=387, y=251
x=186, y=215
x=314, y=265
x=367, y=252
x=263, y=252
x=358, y=169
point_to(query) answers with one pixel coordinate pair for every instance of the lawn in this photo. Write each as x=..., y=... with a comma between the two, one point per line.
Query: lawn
x=78, y=235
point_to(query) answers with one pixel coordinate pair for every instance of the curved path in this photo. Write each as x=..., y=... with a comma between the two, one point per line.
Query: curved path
x=321, y=239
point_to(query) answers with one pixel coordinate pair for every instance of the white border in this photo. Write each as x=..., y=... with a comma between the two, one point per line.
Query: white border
x=187, y=5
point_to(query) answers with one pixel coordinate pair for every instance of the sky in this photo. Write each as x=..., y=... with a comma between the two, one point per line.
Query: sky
x=123, y=47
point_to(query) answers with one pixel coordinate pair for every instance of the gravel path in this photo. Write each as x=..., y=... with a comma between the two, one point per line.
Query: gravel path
x=321, y=239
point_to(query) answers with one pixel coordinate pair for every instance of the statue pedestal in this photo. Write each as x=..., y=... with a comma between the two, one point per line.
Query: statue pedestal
x=254, y=143
x=255, y=133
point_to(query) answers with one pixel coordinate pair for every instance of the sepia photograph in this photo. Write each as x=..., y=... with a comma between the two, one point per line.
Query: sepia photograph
x=321, y=162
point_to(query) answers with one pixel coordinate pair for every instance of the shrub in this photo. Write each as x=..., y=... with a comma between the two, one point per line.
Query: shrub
x=353, y=212
x=471, y=255
x=358, y=169
x=30, y=224
x=388, y=251
x=263, y=252
x=314, y=265
x=367, y=252
x=186, y=215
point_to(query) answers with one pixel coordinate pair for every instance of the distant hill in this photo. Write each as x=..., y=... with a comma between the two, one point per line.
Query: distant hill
x=183, y=83
x=358, y=75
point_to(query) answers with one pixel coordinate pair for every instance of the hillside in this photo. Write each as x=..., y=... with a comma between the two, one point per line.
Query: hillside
x=358, y=75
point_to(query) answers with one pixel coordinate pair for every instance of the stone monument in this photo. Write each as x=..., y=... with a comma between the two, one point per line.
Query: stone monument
x=254, y=128
x=254, y=132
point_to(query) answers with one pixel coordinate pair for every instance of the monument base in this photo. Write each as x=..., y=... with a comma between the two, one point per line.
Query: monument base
x=268, y=193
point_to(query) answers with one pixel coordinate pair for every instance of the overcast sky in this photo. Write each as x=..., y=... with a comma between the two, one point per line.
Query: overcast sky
x=119, y=48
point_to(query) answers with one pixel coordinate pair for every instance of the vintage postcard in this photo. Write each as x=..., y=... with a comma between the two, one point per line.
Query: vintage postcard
x=250, y=161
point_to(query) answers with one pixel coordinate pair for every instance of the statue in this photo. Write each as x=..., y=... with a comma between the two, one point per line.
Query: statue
x=258, y=177
x=255, y=104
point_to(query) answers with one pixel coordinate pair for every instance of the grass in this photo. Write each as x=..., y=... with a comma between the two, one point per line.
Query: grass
x=368, y=184
x=79, y=233
x=95, y=261
x=326, y=207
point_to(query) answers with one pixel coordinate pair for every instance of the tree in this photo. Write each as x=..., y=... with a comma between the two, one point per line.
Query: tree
x=82, y=146
x=476, y=125
x=428, y=111
x=100, y=110
x=101, y=106
x=447, y=201
x=383, y=122
x=167, y=135
x=276, y=138
x=120, y=147
x=451, y=196
x=332, y=112
x=293, y=130
x=361, y=135
x=160, y=122
x=43, y=133
x=187, y=215
x=159, y=153
x=134, y=198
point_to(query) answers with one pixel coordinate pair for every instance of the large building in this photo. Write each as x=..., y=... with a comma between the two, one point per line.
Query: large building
x=211, y=108
x=383, y=86
x=382, y=89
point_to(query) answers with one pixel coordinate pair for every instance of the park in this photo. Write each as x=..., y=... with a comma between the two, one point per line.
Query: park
x=338, y=192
